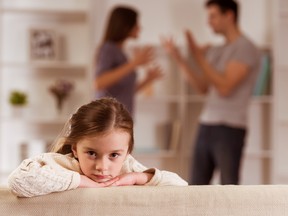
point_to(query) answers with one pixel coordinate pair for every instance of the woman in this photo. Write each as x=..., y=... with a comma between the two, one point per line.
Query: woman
x=115, y=73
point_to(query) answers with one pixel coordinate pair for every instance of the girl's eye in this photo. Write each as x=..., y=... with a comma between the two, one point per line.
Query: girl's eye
x=91, y=153
x=114, y=155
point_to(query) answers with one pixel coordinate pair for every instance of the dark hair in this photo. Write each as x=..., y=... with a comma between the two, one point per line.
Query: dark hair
x=225, y=5
x=120, y=23
x=96, y=118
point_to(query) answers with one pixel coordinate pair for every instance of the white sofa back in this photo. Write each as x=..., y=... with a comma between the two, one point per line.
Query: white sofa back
x=213, y=200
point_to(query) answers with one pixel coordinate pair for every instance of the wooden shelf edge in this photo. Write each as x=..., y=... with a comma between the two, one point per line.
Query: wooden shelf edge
x=262, y=99
x=154, y=153
x=157, y=98
x=260, y=154
x=44, y=11
x=45, y=65
x=34, y=120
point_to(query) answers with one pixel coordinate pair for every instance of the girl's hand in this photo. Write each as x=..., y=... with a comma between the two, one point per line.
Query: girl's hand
x=86, y=182
x=134, y=178
x=143, y=55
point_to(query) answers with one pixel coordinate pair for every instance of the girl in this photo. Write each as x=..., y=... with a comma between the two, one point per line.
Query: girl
x=115, y=73
x=92, y=151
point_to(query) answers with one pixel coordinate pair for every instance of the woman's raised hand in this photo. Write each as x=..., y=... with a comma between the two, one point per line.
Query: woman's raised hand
x=154, y=73
x=169, y=45
x=143, y=55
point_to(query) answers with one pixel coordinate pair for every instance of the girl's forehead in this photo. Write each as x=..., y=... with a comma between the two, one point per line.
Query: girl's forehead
x=108, y=134
x=112, y=139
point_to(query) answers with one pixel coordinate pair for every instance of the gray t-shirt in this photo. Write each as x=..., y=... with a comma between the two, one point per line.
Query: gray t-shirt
x=231, y=110
x=110, y=56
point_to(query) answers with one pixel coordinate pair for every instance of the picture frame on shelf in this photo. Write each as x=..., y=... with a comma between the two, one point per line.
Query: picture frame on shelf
x=43, y=44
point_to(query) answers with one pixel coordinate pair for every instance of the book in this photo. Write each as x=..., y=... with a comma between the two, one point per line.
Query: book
x=168, y=135
x=262, y=85
x=175, y=136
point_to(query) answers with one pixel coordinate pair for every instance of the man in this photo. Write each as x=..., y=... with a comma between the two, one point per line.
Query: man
x=227, y=74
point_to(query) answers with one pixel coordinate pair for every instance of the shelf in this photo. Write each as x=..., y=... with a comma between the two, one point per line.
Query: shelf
x=195, y=98
x=73, y=13
x=153, y=153
x=45, y=65
x=265, y=99
x=255, y=99
x=165, y=98
x=262, y=99
x=35, y=120
x=261, y=154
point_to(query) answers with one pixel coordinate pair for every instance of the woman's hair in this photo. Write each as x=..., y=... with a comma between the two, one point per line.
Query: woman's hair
x=225, y=5
x=96, y=118
x=120, y=23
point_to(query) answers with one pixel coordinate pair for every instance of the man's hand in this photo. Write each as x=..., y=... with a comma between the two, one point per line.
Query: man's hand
x=193, y=46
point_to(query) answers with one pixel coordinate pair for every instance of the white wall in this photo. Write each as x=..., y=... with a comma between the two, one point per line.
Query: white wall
x=165, y=17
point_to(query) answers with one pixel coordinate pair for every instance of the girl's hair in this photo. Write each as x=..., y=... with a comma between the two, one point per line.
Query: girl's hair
x=96, y=118
x=121, y=21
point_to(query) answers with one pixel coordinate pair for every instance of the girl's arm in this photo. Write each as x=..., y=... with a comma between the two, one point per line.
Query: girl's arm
x=44, y=174
x=149, y=177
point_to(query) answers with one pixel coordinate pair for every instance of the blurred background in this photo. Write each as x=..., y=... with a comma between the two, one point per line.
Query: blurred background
x=47, y=51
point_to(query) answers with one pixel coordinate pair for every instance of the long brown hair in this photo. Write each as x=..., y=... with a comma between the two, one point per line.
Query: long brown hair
x=120, y=23
x=95, y=119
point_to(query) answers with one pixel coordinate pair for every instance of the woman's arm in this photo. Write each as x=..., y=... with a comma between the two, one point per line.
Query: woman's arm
x=110, y=77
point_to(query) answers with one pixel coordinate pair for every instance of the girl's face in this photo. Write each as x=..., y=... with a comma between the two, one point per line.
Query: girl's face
x=101, y=157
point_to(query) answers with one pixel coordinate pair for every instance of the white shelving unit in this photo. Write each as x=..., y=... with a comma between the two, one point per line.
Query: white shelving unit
x=171, y=99
x=280, y=111
x=71, y=22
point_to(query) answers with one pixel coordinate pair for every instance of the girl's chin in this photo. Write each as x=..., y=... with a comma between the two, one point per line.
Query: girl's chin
x=101, y=180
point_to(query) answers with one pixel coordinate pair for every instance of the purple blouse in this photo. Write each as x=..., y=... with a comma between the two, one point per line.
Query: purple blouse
x=110, y=56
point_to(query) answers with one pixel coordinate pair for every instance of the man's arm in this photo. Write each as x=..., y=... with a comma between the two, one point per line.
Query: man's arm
x=196, y=80
x=225, y=83
x=234, y=73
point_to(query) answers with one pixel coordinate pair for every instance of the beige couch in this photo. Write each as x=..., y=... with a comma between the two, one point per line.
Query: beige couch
x=141, y=200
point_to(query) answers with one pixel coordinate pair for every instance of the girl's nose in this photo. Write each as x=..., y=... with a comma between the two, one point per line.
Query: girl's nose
x=101, y=164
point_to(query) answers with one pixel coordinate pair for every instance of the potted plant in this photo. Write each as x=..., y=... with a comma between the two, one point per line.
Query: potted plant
x=18, y=99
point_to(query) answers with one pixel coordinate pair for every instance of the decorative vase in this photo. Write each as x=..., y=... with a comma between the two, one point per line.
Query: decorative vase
x=59, y=105
x=17, y=111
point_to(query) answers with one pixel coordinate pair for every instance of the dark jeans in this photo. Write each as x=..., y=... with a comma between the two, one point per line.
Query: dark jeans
x=217, y=147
